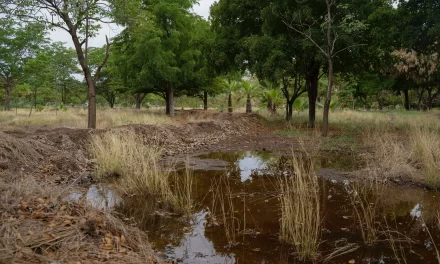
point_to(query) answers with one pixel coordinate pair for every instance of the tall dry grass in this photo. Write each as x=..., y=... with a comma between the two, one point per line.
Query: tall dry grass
x=300, y=208
x=222, y=204
x=365, y=198
x=77, y=118
x=136, y=164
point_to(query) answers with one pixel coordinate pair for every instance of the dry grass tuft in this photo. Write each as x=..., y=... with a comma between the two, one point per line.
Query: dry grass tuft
x=365, y=198
x=425, y=146
x=126, y=155
x=223, y=205
x=300, y=208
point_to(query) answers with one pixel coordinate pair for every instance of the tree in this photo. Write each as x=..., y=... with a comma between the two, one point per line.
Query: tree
x=250, y=89
x=76, y=18
x=341, y=29
x=229, y=85
x=19, y=43
x=423, y=69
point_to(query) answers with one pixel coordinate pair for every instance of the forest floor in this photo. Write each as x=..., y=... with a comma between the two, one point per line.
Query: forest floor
x=42, y=163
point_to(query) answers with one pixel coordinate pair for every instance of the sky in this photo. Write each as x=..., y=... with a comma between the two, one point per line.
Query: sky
x=112, y=30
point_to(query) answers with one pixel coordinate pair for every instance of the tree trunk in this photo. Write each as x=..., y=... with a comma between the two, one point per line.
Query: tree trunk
x=330, y=70
x=205, y=100
x=167, y=103
x=312, y=91
x=249, y=104
x=289, y=110
x=170, y=92
x=139, y=97
x=269, y=105
x=380, y=101
x=230, y=110
x=429, y=99
x=406, y=95
x=7, y=101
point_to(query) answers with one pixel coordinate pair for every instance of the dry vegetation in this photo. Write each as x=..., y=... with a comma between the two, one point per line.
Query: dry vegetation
x=39, y=226
x=300, y=208
x=135, y=163
x=77, y=118
x=400, y=145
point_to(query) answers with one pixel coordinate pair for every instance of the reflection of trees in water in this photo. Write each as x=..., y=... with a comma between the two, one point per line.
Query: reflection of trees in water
x=155, y=217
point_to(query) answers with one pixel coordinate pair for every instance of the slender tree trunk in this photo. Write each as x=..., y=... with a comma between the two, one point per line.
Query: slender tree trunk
x=430, y=99
x=330, y=70
x=269, y=105
x=289, y=110
x=312, y=91
x=419, y=103
x=170, y=92
x=167, y=103
x=249, y=104
x=205, y=100
x=7, y=101
x=406, y=95
x=230, y=110
x=380, y=101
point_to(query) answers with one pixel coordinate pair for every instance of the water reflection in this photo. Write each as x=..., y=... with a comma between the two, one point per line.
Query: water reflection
x=255, y=202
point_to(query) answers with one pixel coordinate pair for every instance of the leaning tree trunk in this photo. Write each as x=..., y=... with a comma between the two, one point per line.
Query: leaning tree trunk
x=230, y=110
x=248, y=104
x=205, y=100
x=170, y=92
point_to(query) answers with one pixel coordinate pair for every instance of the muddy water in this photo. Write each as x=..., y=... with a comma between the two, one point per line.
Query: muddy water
x=256, y=206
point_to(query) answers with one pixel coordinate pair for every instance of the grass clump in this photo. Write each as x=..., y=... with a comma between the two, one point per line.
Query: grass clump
x=300, y=208
x=425, y=145
x=136, y=164
x=365, y=199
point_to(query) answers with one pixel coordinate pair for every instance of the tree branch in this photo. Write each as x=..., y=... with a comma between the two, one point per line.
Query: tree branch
x=107, y=55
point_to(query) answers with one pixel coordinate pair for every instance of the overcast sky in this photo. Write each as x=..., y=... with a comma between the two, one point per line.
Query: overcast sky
x=201, y=9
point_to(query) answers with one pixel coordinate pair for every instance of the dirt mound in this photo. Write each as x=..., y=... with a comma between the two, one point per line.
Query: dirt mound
x=64, y=152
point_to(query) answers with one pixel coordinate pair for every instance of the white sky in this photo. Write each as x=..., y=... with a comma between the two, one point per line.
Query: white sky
x=112, y=30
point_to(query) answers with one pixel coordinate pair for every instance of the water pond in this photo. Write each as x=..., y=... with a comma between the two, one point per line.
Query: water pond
x=407, y=215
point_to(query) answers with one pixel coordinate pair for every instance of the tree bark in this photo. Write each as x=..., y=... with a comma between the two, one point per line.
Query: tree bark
x=139, y=97
x=249, y=104
x=312, y=90
x=170, y=92
x=7, y=102
x=205, y=100
x=330, y=71
x=230, y=110
x=380, y=101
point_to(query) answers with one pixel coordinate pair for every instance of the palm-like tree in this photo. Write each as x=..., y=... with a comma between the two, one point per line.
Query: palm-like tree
x=271, y=95
x=229, y=86
x=250, y=89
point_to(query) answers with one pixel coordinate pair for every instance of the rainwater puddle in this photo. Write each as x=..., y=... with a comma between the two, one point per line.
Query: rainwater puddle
x=256, y=206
